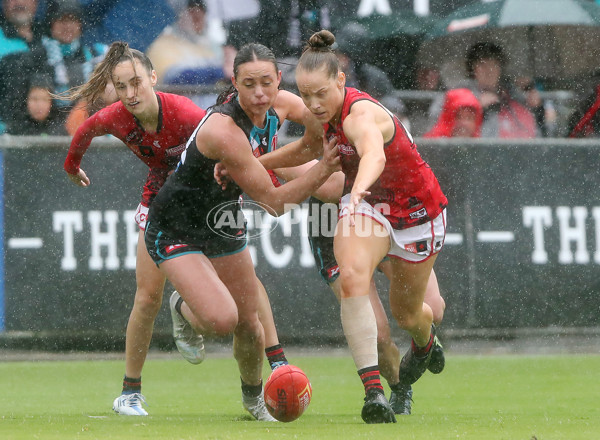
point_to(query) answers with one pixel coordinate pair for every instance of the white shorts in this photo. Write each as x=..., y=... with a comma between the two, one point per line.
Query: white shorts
x=141, y=215
x=414, y=244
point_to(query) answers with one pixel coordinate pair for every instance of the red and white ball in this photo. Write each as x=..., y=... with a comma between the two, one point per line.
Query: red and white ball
x=287, y=393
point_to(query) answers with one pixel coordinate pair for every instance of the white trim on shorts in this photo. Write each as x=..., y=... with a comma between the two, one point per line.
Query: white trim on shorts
x=415, y=244
x=141, y=216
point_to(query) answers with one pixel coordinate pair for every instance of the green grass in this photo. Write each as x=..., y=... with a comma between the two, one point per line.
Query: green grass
x=495, y=397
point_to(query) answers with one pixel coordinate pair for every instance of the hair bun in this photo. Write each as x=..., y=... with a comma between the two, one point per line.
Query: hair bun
x=321, y=40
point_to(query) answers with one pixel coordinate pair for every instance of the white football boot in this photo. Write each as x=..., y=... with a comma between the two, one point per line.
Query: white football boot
x=256, y=406
x=130, y=405
x=189, y=344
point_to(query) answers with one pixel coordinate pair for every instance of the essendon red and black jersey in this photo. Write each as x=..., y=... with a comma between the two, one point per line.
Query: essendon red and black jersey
x=407, y=191
x=178, y=116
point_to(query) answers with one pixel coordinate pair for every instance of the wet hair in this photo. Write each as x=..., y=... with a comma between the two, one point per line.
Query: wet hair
x=484, y=51
x=318, y=53
x=93, y=89
x=248, y=53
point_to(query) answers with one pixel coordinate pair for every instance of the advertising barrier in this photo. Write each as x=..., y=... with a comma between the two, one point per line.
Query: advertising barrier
x=522, y=246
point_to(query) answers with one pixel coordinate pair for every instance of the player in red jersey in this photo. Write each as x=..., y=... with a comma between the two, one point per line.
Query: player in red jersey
x=392, y=205
x=155, y=126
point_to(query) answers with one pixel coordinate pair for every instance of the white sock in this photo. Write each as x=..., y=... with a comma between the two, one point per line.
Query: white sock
x=360, y=328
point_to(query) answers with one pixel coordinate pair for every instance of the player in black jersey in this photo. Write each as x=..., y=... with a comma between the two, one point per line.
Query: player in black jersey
x=196, y=233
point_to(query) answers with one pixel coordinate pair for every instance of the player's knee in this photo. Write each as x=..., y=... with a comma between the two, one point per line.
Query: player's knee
x=224, y=324
x=353, y=282
x=248, y=328
x=147, y=301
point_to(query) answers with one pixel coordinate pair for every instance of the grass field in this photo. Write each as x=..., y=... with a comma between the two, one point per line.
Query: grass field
x=491, y=397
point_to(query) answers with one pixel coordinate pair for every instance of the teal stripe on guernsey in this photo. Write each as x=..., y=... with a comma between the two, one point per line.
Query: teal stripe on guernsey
x=257, y=134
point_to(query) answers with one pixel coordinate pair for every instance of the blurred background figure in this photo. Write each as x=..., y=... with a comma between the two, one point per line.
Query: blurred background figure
x=61, y=56
x=461, y=116
x=39, y=115
x=65, y=57
x=505, y=111
x=584, y=120
x=18, y=31
x=428, y=78
x=138, y=22
x=350, y=47
x=186, y=52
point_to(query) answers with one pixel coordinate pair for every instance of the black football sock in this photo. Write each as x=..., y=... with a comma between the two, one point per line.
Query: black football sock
x=422, y=352
x=276, y=356
x=132, y=385
x=370, y=378
x=251, y=390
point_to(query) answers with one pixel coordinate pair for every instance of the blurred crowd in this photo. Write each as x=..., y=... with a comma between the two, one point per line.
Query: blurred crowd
x=49, y=46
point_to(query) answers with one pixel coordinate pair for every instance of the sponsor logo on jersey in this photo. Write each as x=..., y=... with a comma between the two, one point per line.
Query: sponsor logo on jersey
x=421, y=246
x=173, y=247
x=418, y=214
x=176, y=150
x=134, y=137
x=333, y=271
x=417, y=247
x=347, y=150
x=411, y=247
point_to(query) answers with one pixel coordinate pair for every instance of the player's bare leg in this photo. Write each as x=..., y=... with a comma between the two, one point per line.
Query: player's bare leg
x=358, y=248
x=219, y=302
x=434, y=299
x=407, y=292
x=273, y=349
x=148, y=298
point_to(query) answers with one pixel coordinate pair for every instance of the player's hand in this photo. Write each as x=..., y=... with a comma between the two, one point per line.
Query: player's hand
x=355, y=197
x=221, y=175
x=331, y=155
x=80, y=178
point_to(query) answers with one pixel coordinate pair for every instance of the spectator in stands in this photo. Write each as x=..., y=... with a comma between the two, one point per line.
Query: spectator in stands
x=505, y=112
x=185, y=52
x=18, y=31
x=64, y=56
x=39, y=116
x=61, y=56
x=136, y=21
x=350, y=48
x=428, y=78
x=584, y=122
x=461, y=116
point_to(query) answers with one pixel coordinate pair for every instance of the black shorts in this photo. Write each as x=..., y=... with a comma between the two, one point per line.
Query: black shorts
x=321, y=228
x=162, y=247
